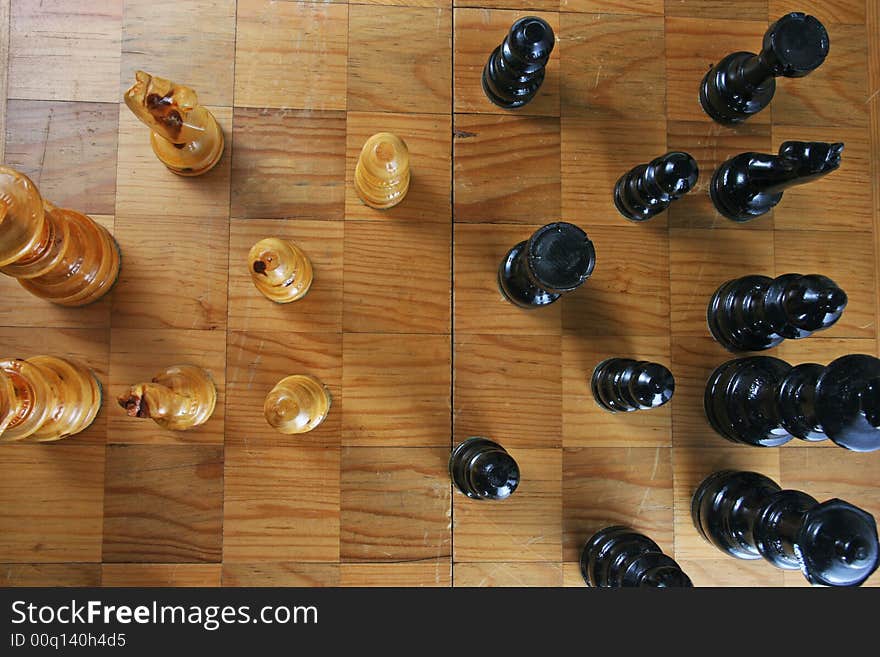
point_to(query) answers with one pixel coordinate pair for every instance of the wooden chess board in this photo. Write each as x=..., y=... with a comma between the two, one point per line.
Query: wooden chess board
x=404, y=321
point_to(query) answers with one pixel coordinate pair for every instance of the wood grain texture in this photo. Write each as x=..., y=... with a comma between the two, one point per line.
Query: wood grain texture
x=508, y=574
x=146, y=575
x=429, y=572
x=873, y=22
x=281, y=574
x=720, y=9
x=50, y=574
x=4, y=71
x=631, y=7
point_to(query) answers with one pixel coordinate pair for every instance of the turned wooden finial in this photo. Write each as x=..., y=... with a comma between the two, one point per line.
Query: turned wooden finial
x=180, y=397
x=58, y=255
x=381, y=177
x=185, y=136
x=45, y=398
x=297, y=404
x=280, y=270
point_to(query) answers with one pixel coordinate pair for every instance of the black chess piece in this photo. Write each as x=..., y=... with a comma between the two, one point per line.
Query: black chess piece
x=556, y=259
x=751, y=184
x=483, y=470
x=515, y=70
x=748, y=516
x=742, y=84
x=648, y=189
x=766, y=402
x=617, y=557
x=624, y=384
x=753, y=313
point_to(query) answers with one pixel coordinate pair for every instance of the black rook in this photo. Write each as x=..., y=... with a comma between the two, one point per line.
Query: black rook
x=483, y=470
x=648, y=189
x=623, y=385
x=619, y=557
x=515, y=69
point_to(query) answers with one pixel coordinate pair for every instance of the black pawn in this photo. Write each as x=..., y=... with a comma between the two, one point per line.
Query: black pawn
x=617, y=557
x=742, y=84
x=764, y=401
x=515, y=69
x=748, y=516
x=556, y=259
x=623, y=385
x=483, y=470
x=753, y=313
x=648, y=189
x=751, y=184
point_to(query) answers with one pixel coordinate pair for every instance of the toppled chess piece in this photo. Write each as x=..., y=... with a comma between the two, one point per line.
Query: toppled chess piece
x=483, y=470
x=280, y=270
x=621, y=385
x=185, y=136
x=618, y=557
x=748, y=516
x=515, y=69
x=297, y=404
x=59, y=255
x=179, y=397
x=751, y=184
x=556, y=259
x=742, y=84
x=381, y=177
x=758, y=312
x=45, y=398
x=764, y=401
x=649, y=189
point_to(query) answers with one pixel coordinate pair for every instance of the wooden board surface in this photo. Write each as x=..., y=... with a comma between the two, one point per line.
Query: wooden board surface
x=405, y=323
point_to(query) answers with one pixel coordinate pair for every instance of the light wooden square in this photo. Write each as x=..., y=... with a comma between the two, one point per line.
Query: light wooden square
x=534, y=5
x=508, y=389
x=50, y=574
x=281, y=574
x=526, y=527
x=508, y=574
x=477, y=33
x=728, y=572
x=829, y=12
x=429, y=141
x=632, y=7
x=291, y=54
x=429, y=572
x=492, y=185
x=137, y=355
x=607, y=486
x=398, y=390
x=151, y=514
x=281, y=504
x=147, y=575
x=719, y=9
x=395, y=504
x=584, y=422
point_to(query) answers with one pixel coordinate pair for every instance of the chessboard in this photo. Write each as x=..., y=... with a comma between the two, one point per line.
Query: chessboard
x=404, y=321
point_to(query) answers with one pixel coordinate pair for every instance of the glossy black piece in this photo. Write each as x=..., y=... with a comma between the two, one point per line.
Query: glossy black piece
x=753, y=313
x=556, y=259
x=515, y=69
x=751, y=184
x=749, y=516
x=621, y=385
x=617, y=557
x=483, y=470
x=742, y=84
x=766, y=402
x=648, y=189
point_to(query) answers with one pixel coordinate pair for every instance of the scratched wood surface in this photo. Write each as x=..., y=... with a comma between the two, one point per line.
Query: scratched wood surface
x=404, y=322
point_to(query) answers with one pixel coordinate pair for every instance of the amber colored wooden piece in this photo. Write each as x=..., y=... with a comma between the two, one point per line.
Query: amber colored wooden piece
x=297, y=404
x=59, y=255
x=185, y=136
x=45, y=398
x=280, y=270
x=382, y=174
x=179, y=397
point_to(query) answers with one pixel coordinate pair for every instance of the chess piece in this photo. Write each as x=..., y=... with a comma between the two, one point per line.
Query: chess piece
x=483, y=470
x=649, y=189
x=742, y=84
x=757, y=312
x=556, y=259
x=764, y=401
x=59, y=255
x=185, y=136
x=515, y=69
x=751, y=184
x=623, y=385
x=45, y=398
x=297, y=404
x=748, y=516
x=280, y=270
x=179, y=397
x=618, y=557
x=381, y=177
